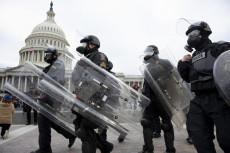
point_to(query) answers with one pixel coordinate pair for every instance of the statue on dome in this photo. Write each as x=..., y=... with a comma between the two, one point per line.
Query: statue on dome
x=51, y=6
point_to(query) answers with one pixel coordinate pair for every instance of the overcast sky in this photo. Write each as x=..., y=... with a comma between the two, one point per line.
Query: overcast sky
x=124, y=27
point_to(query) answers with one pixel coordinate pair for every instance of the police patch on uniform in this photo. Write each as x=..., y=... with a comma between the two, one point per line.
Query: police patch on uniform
x=198, y=57
x=103, y=65
x=53, y=67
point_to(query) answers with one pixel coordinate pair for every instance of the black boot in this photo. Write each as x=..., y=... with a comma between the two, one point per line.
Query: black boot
x=145, y=150
x=39, y=151
x=108, y=148
x=156, y=135
x=121, y=138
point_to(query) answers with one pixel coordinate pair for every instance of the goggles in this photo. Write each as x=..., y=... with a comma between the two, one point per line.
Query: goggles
x=194, y=33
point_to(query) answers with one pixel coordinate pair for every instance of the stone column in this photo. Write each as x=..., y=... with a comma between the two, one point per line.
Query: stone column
x=6, y=78
x=37, y=56
x=19, y=80
x=20, y=59
x=24, y=59
x=25, y=56
x=25, y=84
x=29, y=56
x=43, y=53
x=38, y=81
x=69, y=84
x=12, y=80
x=2, y=82
x=32, y=58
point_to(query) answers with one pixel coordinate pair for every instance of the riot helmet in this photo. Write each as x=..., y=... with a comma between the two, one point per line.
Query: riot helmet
x=201, y=26
x=51, y=54
x=197, y=33
x=109, y=66
x=91, y=39
x=150, y=51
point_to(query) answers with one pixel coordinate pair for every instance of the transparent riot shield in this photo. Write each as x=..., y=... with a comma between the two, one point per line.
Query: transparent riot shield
x=41, y=102
x=171, y=90
x=221, y=72
x=98, y=95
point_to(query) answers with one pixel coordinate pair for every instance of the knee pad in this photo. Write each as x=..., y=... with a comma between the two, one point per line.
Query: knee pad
x=145, y=122
x=166, y=126
x=81, y=133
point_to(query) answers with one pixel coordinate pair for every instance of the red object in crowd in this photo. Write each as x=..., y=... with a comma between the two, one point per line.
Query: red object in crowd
x=135, y=85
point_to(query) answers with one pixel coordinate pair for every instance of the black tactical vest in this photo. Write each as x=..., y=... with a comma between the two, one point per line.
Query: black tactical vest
x=201, y=72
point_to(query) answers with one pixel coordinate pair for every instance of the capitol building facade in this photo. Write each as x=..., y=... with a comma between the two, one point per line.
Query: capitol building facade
x=33, y=51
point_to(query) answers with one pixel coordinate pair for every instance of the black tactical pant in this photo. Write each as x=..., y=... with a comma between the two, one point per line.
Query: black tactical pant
x=207, y=110
x=4, y=128
x=153, y=110
x=157, y=125
x=28, y=114
x=187, y=126
x=44, y=127
x=90, y=139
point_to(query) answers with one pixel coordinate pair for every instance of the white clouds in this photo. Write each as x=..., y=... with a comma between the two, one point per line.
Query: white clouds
x=124, y=27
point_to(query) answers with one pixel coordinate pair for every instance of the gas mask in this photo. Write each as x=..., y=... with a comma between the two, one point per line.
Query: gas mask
x=80, y=49
x=147, y=57
x=194, y=40
x=84, y=49
x=49, y=57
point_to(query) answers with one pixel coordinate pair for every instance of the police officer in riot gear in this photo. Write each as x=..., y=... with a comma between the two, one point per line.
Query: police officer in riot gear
x=207, y=108
x=85, y=128
x=31, y=92
x=55, y=70
x=155, y=109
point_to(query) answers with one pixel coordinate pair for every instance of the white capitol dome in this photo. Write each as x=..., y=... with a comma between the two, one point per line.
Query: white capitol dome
x=45, y=32
x=48, y=26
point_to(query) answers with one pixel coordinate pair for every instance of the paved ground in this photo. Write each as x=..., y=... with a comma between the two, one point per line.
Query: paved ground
x=23, y=139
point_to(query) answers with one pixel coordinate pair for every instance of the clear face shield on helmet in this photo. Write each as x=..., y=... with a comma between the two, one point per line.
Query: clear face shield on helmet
x=194, y=33
x=184, y=27
x=148, y=53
